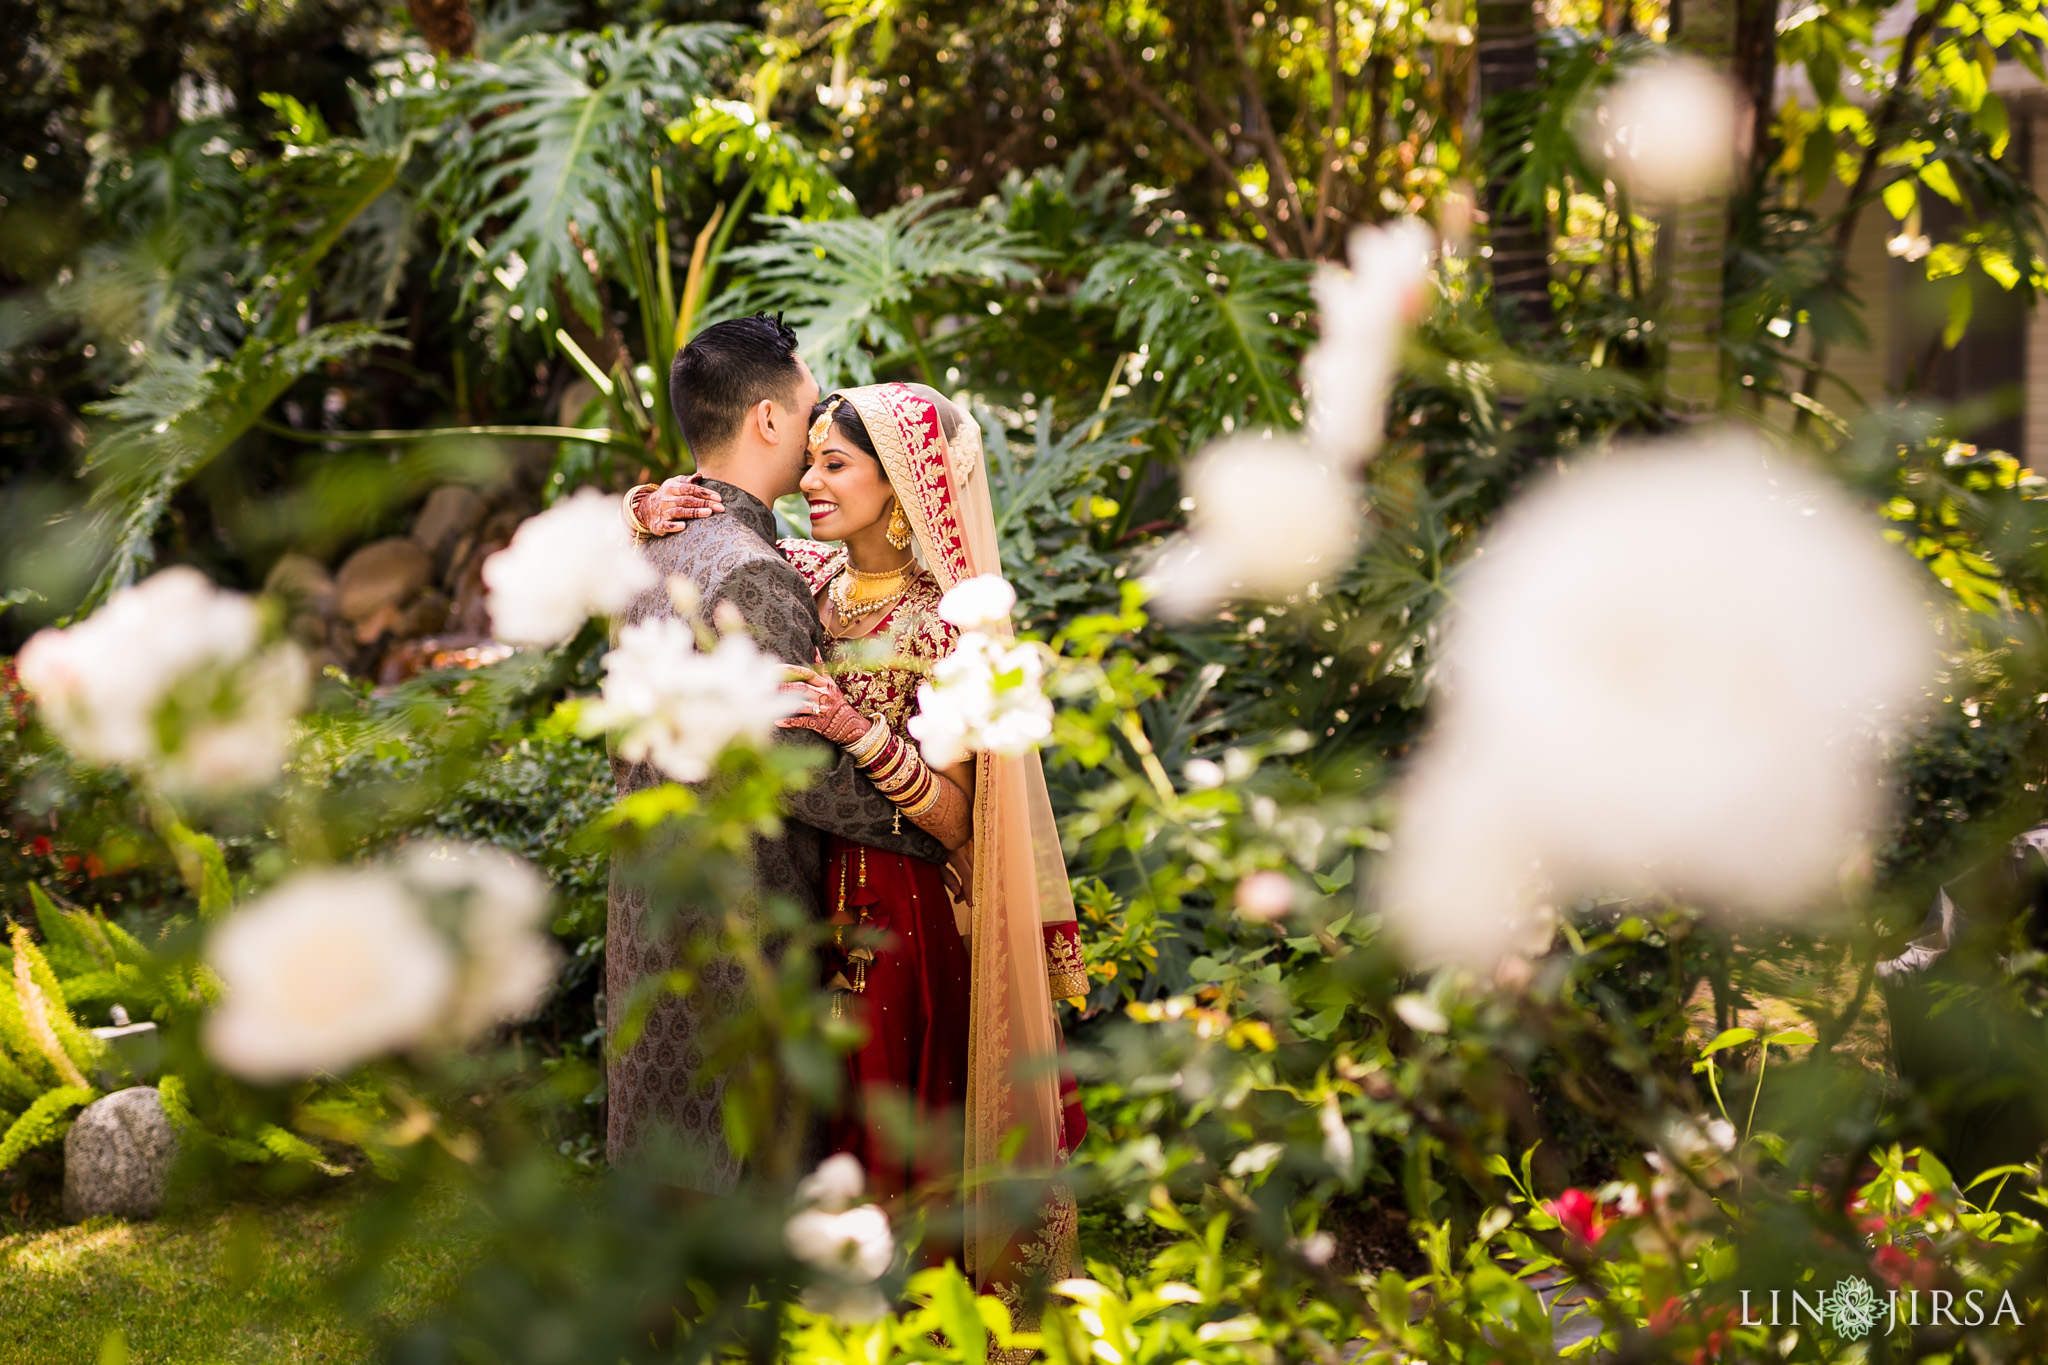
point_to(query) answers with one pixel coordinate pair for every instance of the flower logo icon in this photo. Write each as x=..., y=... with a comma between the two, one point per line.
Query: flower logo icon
x=1852, y=1309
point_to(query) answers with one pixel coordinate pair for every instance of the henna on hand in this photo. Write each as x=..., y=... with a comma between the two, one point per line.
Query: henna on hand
x=677, y=502
x=826, y=709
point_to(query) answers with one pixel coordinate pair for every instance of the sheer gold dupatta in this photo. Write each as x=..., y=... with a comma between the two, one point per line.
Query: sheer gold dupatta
x=1020, y=877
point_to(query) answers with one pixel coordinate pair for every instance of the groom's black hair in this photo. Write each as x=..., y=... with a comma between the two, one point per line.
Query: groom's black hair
x=726, y=369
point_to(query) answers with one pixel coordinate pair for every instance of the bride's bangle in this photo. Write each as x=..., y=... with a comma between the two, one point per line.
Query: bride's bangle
x=863, y=750
x=639, y=527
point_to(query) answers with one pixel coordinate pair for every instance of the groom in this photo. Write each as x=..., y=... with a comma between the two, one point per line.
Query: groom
x=743, y=397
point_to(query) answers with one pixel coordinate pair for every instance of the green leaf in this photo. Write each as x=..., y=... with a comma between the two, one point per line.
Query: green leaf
x=1992, y=122
x=177, y=417
x=1791, y=1037
x=1935, y=175
x=851, y=285
x=1899, y=198
x=1936, y=1174
x=1960, y=303
x=1222, y=321
x=203, y=866
x=786, y=173
x=1734, y=1037
x=45, y=1121
x=561, y=159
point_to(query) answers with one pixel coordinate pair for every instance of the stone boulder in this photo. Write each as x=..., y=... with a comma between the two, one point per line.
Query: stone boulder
x=450, y=513
x=118, y=1156
x=381, y=576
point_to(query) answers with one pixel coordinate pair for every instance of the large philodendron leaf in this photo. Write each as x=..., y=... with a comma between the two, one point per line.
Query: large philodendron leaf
x=849, y=281
x=176, y=418
x=180, y=412
x=568, y=128
x=1226, y=322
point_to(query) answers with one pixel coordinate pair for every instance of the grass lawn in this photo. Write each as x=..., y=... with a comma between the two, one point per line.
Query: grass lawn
x=217, y=1286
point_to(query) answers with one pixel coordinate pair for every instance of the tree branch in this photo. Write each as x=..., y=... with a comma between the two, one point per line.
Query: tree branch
x=1337, y=136
x=1255, y=103
x=1888, y=113
x=1182, y=125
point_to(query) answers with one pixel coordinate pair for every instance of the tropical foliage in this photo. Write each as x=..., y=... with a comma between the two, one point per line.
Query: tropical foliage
x=305, y=265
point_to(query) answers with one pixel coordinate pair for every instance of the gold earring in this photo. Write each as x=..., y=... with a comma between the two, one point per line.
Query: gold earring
x=899, y=528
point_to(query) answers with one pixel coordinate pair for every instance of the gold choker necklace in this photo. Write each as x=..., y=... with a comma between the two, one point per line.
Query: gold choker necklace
x=856, y=594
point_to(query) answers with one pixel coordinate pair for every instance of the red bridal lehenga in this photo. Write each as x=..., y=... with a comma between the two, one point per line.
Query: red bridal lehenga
x=963, y=1052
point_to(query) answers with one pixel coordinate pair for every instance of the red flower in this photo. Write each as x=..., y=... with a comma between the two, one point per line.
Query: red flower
x=1921, y=1204
x=93, y=866
x=40, y=846
x=1579, y=1214
x=1667, y=1314
x=1900, y=1269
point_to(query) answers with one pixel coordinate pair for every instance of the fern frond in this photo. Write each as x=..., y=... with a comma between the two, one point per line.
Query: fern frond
x=566, y=134
x=46, y=1121
x=67, y=1047
x=17, y=1082
x=850, y=284
x=1224, y=321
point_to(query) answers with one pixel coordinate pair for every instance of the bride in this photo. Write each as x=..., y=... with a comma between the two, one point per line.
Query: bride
x=893, y=474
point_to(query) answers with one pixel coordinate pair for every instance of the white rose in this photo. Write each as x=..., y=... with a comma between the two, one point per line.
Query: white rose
x=1667, y=129
x=1270, y=517
x=835, y=1185
x=1365, y=313
x=855, y=1245
x=326, y=971
x=1265, y=896
x=979, y=602
x=1670, y=671
x=510, y=960
x=679, y=707
x=570, y=563
x=166, y=677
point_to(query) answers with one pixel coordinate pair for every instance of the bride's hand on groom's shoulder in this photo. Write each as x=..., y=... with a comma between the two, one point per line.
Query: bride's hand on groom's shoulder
x=678, y=502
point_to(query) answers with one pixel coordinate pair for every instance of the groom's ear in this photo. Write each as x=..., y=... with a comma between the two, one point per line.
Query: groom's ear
x=762, y=416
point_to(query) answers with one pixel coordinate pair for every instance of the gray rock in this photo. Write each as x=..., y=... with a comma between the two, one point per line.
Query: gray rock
x=450, y=513
x=381, y=575
x=118, y=1156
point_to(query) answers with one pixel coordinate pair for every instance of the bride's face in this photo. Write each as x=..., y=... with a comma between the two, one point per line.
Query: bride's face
x=846, y=488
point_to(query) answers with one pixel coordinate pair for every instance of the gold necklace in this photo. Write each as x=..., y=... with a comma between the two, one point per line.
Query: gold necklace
x=856, y=594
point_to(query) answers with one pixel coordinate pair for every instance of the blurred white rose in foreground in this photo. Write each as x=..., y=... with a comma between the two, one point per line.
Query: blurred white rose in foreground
x=984, y=697
x=979, y=602
x=1269, y=517
x=1670, y=670
x=677, y=706
x=836, y=1184
x=573, y=561
x=1667, y=130
x=1265, y=897
x=325, y=972
x=501, y=902
x=168, y=677
x=851, y=1244
x=1366, y=312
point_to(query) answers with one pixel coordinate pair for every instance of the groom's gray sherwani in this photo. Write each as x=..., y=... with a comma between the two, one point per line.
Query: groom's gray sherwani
x=731, y=557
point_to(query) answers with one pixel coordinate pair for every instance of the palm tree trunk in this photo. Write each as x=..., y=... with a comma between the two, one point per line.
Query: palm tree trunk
x=1510, y=65
x=1699, y=233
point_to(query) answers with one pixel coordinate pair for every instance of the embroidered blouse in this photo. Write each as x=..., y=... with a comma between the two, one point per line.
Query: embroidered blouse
x=912, y=637
x=884, y=668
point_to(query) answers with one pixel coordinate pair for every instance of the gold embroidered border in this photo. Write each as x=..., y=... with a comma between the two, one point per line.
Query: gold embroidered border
x=1066, y=967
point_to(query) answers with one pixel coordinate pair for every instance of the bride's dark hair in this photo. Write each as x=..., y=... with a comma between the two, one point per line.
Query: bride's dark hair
x=846, y=419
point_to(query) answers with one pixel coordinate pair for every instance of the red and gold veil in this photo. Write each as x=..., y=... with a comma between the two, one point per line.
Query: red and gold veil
x=1020, y=876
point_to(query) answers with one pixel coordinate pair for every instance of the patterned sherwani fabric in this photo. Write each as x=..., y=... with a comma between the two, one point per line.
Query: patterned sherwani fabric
x=731, y=557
